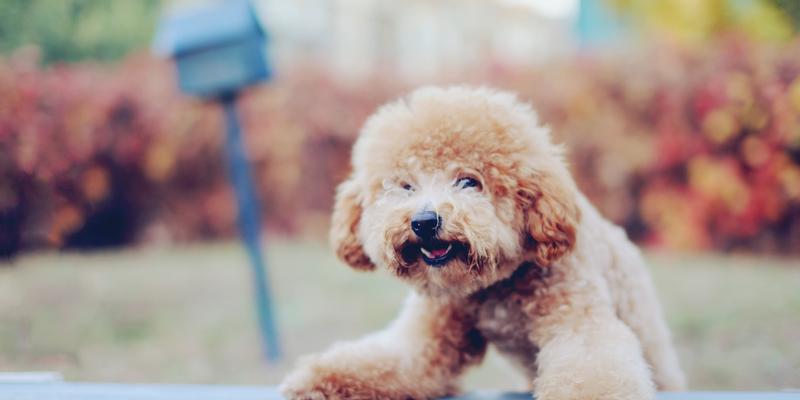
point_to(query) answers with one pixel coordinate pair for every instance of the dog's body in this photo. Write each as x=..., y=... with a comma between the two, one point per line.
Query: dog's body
x=461, y=193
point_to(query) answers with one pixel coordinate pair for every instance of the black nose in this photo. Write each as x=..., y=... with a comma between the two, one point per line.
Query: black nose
x=426, y=224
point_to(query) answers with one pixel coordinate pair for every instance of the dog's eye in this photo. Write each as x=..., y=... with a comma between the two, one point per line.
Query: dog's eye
x=407, y=187
x=467, y=182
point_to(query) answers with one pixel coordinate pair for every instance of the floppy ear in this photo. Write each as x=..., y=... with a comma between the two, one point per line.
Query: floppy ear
x=550, y=218
x=344, y=226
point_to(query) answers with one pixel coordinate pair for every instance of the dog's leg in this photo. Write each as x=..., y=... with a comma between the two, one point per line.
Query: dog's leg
x=648, y=323
x=419, y=356
x=586, y=353
x=638, y=306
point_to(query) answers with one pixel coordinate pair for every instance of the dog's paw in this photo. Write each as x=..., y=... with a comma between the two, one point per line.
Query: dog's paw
x=307, y=389
x=595, y=382
x=300, y=394
x=596, y=391
x=306, y=384
x=291, y=393
x=329, y=388
x=316, y=382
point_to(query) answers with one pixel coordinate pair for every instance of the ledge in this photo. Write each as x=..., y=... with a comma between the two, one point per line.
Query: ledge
x=114, y=391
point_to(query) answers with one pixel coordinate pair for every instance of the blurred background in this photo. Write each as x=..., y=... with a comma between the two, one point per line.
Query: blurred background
x=118, y=226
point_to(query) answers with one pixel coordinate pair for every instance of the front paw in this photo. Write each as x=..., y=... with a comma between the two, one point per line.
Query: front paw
x=317, y=381
x=595, y=381
x=310, y=383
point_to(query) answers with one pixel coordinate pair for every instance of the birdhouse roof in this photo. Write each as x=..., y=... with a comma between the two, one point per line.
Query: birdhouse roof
x=207, y=26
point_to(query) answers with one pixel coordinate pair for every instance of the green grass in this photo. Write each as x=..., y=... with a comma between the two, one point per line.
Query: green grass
x=185, y=315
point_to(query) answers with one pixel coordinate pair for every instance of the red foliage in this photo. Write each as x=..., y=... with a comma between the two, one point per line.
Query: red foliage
x=686, y=149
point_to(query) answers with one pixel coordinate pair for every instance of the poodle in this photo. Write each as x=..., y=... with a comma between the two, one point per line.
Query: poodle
x=460, y=193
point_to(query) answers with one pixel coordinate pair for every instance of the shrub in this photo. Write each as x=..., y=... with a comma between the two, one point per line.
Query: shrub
x=686, y=149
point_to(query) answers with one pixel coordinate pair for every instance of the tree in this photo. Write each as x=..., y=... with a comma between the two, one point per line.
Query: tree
x=697, y=21
x=72, y=30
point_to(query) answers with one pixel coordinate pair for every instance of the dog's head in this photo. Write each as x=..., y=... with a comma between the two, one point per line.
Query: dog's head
x=452, y=189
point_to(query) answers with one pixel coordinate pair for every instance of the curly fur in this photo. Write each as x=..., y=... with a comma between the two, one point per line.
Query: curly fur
x=543, y=276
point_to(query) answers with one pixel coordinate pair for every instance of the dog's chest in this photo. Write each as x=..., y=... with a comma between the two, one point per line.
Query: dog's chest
x=504, y=323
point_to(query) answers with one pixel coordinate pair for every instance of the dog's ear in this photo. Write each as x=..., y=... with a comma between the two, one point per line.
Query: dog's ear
x=344, y=226
x=550, y=218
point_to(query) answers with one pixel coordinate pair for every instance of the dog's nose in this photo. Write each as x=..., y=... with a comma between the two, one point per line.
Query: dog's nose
x=426, y=224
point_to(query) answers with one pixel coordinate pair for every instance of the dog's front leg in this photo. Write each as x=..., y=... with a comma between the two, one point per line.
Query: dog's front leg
x=587, y=353
x=419, y=356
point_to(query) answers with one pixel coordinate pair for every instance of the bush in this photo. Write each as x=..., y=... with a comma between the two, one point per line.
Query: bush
x=93, y=156
x=686, y=149
x=690, y=150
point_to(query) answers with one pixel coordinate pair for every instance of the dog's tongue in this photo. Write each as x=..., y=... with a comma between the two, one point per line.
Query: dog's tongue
x=437, y=249
x=436, y=253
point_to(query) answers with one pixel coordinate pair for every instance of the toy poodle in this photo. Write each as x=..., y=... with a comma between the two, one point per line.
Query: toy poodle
x=460, y=192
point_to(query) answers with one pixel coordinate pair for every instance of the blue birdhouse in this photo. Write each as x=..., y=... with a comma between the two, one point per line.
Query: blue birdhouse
x=218, y=49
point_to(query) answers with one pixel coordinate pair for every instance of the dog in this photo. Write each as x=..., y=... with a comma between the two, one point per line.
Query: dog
x=461, y=193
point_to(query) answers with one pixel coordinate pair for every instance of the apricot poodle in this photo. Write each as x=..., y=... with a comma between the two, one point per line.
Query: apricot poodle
x=461, y=193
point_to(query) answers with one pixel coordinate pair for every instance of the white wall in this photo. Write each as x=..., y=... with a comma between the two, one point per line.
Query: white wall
x=417, y=38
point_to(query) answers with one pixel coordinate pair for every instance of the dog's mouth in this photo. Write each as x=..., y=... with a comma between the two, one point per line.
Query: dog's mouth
x=434, y=252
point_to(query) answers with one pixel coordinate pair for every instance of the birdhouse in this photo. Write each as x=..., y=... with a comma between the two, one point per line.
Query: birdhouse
x=218, y=49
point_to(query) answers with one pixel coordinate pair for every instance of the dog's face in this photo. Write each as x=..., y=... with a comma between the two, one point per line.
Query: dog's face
x=452, y=189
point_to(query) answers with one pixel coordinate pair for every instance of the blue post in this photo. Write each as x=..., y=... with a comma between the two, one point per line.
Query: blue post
x=249, y=224
x=219, y=49
x=598, y=25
